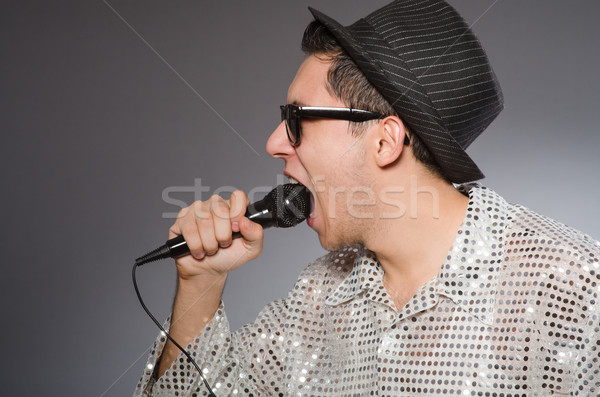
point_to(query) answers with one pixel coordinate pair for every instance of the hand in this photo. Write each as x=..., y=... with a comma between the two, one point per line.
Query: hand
x=206, y=227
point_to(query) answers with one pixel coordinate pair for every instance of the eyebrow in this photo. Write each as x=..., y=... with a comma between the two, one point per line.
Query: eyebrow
x=298, y=103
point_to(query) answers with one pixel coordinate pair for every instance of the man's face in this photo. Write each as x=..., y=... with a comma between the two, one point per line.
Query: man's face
x=329, y=161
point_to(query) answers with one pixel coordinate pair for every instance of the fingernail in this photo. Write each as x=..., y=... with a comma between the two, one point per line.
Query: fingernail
x=235, y=226
x=225, y=244
x=209, y=253
x=199, y=255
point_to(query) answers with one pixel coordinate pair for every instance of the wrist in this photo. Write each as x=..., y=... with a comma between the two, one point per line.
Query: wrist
x=202, y=283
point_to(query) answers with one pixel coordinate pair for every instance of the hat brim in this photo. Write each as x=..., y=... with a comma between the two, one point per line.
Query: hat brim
x=455, y=163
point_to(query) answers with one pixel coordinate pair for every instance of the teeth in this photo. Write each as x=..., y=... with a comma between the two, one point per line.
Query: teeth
x=292, y=180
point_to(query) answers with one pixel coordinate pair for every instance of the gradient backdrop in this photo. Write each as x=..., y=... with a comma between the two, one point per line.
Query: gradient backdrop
x=106, y=107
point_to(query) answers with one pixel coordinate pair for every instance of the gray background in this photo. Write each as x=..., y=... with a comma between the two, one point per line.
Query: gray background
x=96, y=124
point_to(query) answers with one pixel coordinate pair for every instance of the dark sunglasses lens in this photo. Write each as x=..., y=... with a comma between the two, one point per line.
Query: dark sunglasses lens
x=283, y=112
x=291, y=124
x=290, y=134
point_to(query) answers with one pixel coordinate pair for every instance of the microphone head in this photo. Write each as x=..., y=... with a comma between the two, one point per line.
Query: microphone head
x=290, y=203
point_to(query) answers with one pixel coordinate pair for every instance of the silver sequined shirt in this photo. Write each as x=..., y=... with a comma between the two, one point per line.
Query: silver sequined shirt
x=514, y=311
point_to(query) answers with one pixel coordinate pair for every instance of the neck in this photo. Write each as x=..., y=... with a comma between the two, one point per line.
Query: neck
x=412, y=246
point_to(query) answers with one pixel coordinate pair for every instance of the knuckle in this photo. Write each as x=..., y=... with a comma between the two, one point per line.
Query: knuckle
x=201, y=211
x=183, y=212
x=221, y=212
x=217, y=200
x=174, y=232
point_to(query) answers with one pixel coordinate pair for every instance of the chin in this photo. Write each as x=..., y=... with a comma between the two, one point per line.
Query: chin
x=334, y=236
x=331, y=248
x=332, y=245
x=325, y=243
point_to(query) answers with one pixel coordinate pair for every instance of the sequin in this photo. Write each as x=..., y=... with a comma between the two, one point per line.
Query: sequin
x=514, y=311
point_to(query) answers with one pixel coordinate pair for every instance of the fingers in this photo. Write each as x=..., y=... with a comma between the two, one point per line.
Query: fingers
x=221, y=221
x=237, y=206
x=207, y=226
x=215, y=227
x=188, y=229
x=193, y=240
x=206, y=229
x=251, y=231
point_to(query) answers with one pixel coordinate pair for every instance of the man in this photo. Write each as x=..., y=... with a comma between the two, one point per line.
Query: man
x=430, y=288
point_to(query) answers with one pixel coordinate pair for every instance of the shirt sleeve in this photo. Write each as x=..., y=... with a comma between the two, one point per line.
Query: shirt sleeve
x=240, y=363
x=587, y=379
x=263, y=358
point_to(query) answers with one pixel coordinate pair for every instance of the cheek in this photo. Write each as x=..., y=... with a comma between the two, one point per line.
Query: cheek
x=313, y=163
x=326, y=140
x=331, y=201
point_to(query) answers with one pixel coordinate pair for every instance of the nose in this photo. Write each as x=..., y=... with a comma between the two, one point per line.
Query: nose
x=278, y=145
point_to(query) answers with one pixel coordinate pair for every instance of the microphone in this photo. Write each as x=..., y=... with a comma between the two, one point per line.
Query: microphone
x=284, y=206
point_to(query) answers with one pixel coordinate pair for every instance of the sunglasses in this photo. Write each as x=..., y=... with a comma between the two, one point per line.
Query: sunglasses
x=292, y=115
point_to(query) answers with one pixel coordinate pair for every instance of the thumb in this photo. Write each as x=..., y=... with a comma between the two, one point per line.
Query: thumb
x=251, y=231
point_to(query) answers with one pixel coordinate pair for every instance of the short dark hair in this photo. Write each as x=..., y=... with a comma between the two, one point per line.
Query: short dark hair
x=347, y=82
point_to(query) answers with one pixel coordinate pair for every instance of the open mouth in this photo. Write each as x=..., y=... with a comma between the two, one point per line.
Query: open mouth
x=292, y=180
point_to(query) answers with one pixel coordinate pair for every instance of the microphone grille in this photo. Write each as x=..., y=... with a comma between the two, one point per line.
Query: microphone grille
x=290, y=203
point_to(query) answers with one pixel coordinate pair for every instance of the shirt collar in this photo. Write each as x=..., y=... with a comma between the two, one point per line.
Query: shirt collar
x=468, y=276
x=366, y=274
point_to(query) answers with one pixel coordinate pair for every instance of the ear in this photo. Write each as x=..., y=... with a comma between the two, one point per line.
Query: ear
x=388, y=141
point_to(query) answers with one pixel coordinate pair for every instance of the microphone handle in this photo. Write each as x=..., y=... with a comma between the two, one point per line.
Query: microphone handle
x=176, y=247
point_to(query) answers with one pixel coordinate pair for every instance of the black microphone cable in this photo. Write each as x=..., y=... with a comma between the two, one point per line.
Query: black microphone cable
x=188, y=355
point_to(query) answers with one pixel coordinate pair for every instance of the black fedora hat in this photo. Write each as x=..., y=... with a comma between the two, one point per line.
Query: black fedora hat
x=427, y=63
